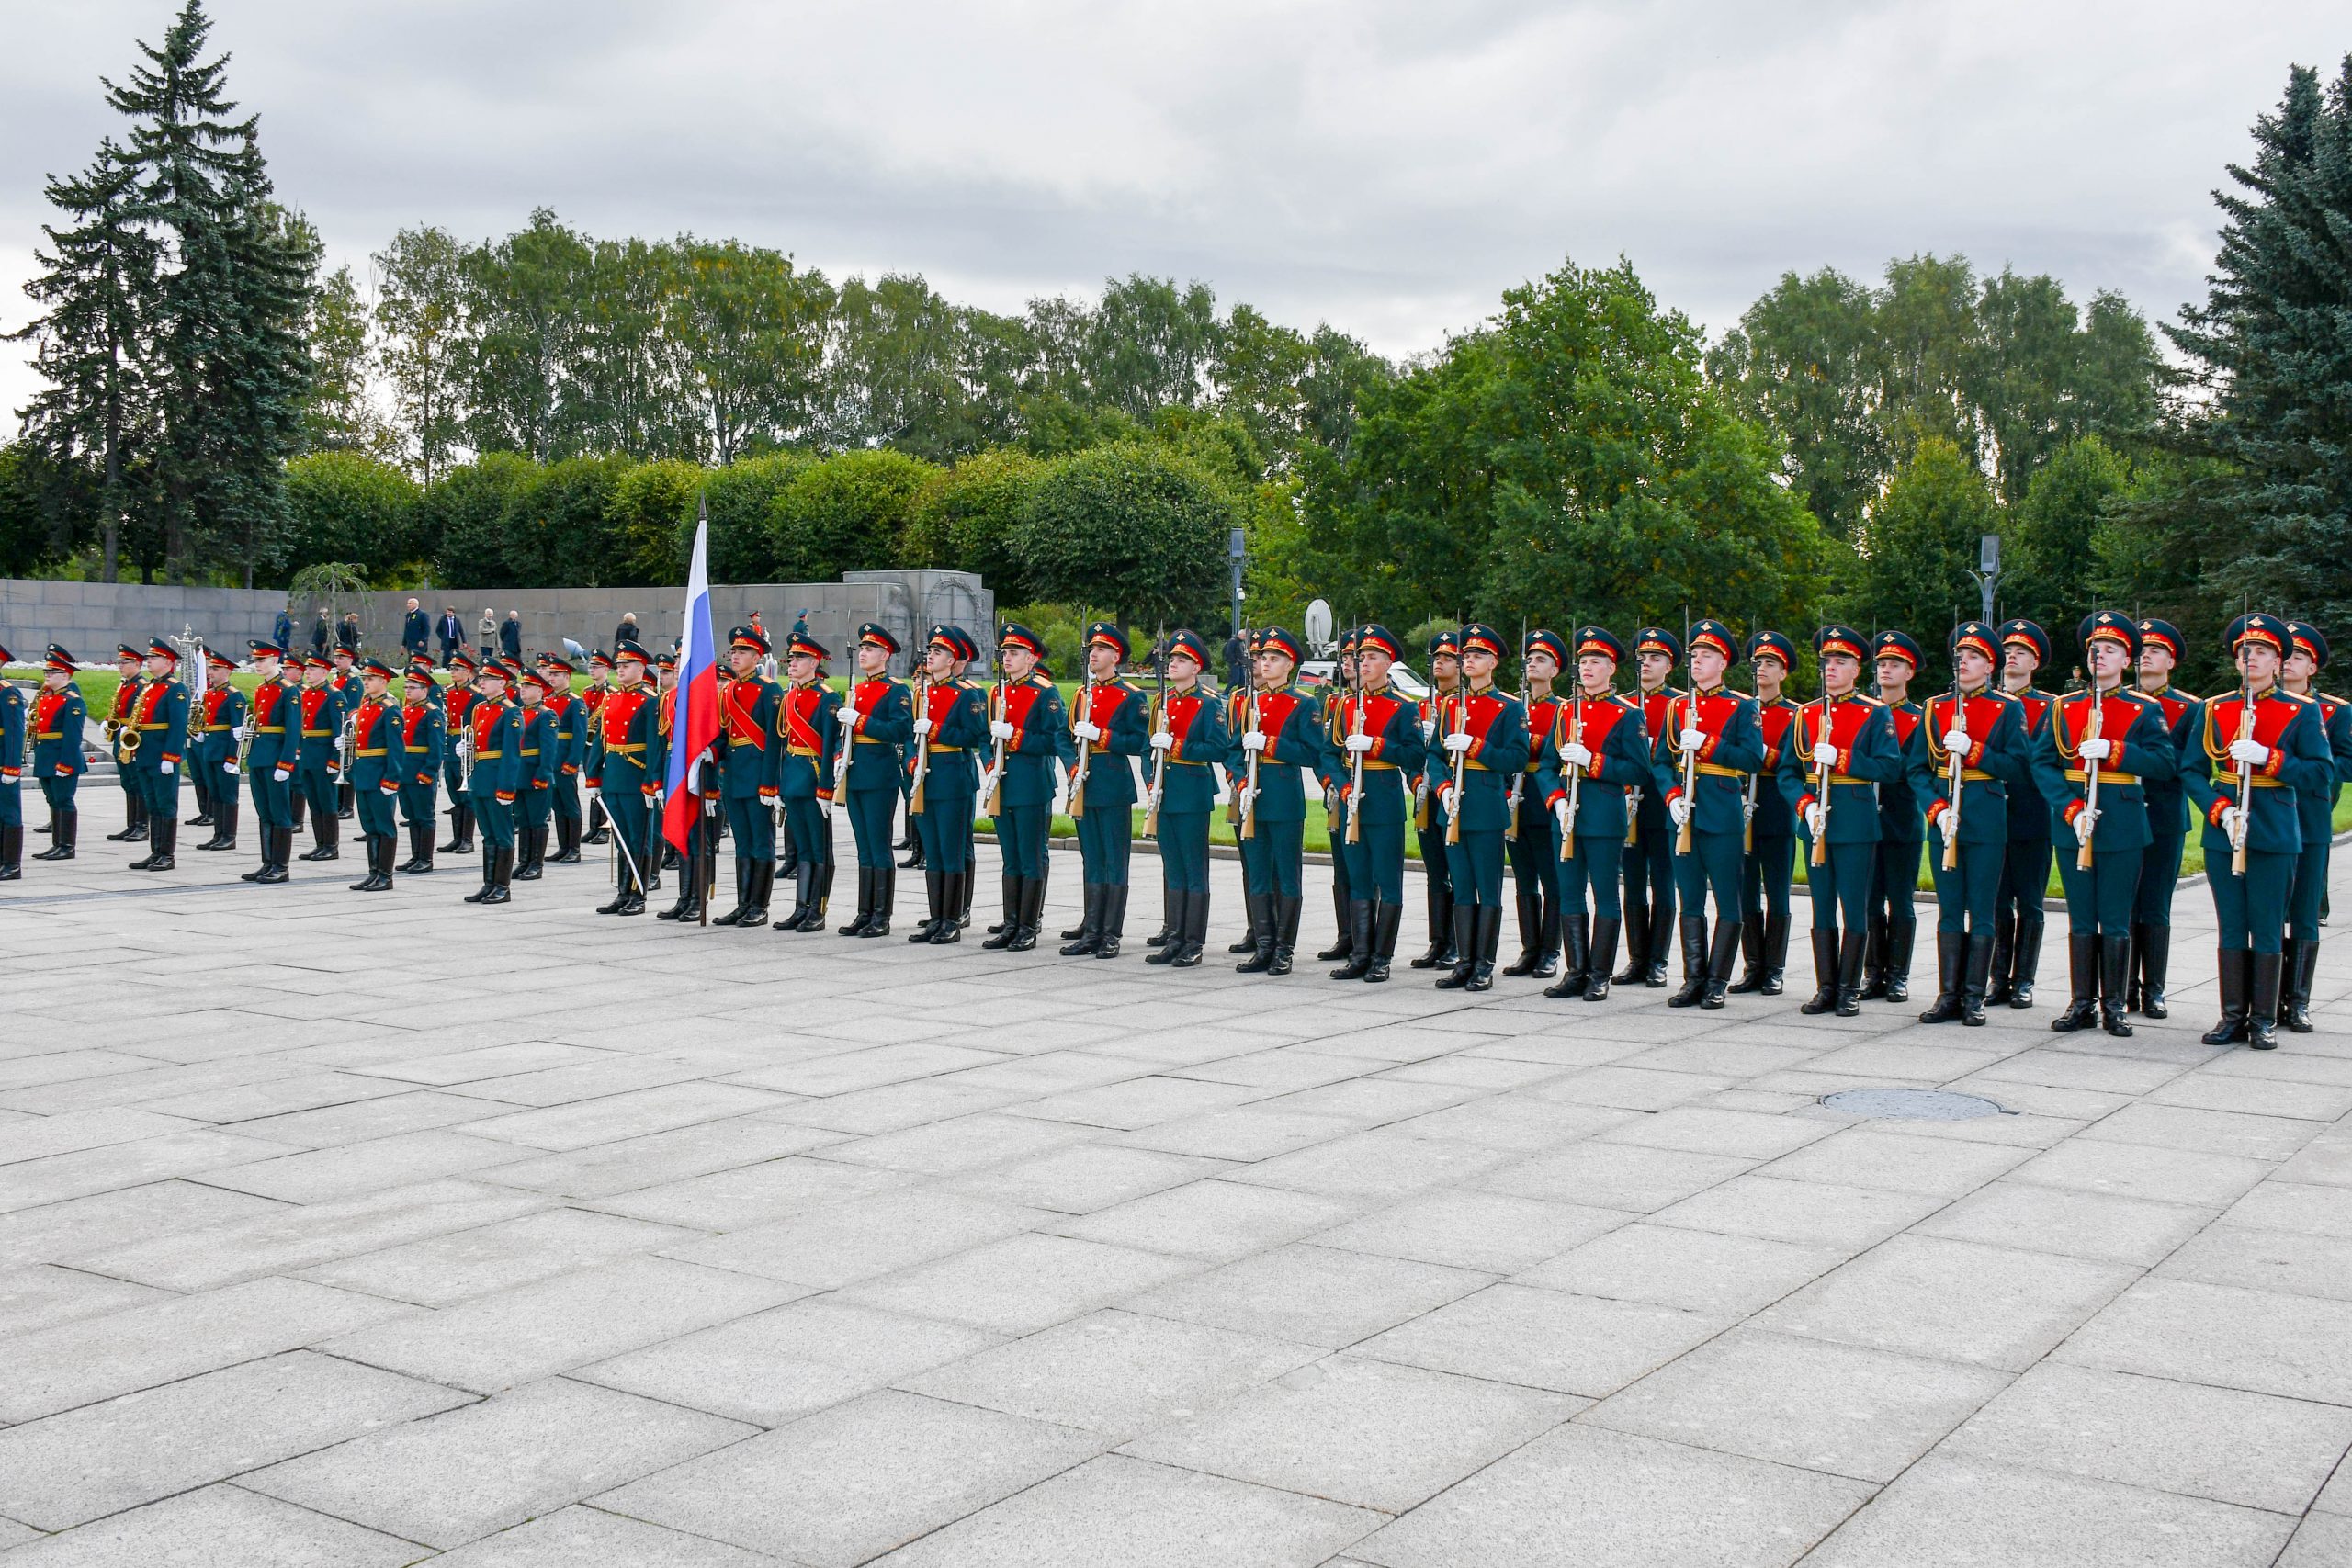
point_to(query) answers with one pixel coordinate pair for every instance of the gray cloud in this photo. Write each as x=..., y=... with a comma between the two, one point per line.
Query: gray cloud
x=1387, y=166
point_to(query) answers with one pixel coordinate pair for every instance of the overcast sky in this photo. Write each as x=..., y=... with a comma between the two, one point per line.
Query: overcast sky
x=1387, y=166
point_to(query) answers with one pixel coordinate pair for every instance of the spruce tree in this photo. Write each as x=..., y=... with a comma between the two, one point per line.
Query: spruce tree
x=94, y=424
x=2273, y=347
x=227, y=311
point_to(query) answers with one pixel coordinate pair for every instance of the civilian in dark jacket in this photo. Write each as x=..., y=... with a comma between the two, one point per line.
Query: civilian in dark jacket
x=321, y=635
x=510, y=635
x=415, y=631
x=281, y=630
x=453, y=632
x=626, y=631
x=347, y=634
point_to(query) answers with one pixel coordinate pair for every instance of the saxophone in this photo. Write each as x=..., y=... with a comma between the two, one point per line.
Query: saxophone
x=125, y=730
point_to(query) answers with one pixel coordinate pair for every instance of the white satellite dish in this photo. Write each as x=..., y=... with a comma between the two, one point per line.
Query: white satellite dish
x=1318, y=626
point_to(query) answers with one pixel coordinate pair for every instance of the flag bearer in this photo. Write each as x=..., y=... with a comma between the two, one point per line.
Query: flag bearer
x=748, y=773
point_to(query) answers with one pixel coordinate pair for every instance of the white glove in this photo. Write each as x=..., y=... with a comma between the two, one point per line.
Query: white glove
x=1001, y=730
x=1825, y=754
x=1253, y=740
x=1163, y=741
x=283, y=773
x=1816, y=818
x=230, y=769
x=1680, y=811
x=922, y=727
x=1460, y=743
x=1560, y=815
x=1429, y=731
x=846, y=716
x=1360, y=743
x=2232, y=817
x=1086, y=731
x=237, y=732
x=390, y=788
x=169, y=767
x=1957, y=740
x=2096, y=751
x=1692, y=739
x=2250, y=751
x=1576, y=756
x=2086, y=824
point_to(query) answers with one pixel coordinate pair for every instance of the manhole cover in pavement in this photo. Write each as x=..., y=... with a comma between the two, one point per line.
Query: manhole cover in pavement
x=1915, y=1104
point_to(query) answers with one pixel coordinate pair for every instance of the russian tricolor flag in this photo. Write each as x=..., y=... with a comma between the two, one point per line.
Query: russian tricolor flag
x=694, y=718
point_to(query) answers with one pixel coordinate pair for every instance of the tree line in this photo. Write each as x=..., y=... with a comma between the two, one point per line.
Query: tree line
x=552, y=407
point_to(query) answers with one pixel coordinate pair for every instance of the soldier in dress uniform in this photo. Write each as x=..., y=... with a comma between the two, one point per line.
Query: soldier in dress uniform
x=12, y=775
x=810, y=740
x=1429, y=823
x=628, y=763
x=698, y=876
x=569, y=718
x=494, y=779
x=1894, y=900
x=1979, y=729
x=951, y=718
x=59, y=713
x=1188, y=740
x=748, y=773
x=202, y=744
x=876, y=720
x=542, y=753
x=213, y=730
x=1836, y=752
x=458, y=700
x=1111, y=727
x=2110, y=732
x=1279, y=726
x=1649, y=868
x=159, y=717
x=380, y=761
x=1533, y=853
x=1026, y=718
x=1482, y=731
x=2017, y=917
x=2259, y=751
x=318, y=757
x=344, y=680
x=2162, y=649
x=1374, y=728
x=2306, y=657
x=1769, y=865
x=1343, y=681
x=591, y=698
x=423, y=738
x=274, y=719
x=1711, y=736
x=1595, y=750
x=127, y=663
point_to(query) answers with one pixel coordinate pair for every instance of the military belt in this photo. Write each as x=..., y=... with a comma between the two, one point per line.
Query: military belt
x=488, y=756
x=371, y=752
x=1717, y=771
x=1850, y=779
x=935, y=750
x=869, y=741
x=745, y=740
x=2260, y=781
x=271, y=730
x=49, y=735
x=145, y=727
x=316, y=734
x=526, y=751
x=802, y=750
x=630, y=749
x=2075, y=775
x=1976, y=775
x=218, y=728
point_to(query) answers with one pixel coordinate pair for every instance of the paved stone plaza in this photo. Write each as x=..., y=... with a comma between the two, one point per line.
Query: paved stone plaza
x=345, y=1230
